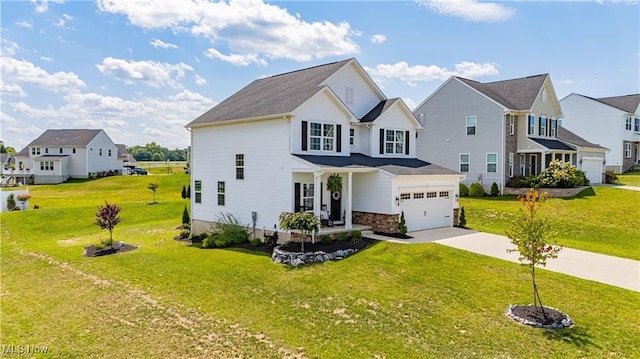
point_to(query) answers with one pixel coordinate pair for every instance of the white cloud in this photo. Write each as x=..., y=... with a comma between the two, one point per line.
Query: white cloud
x=161, y=44
x=235, y=59
x=412, y=74
x=11, y=89
x=15, y=72
x=9, y=47
x=200, y=80
x=152, y=73
x=46, y=58
x=249, y=27
x=565, y=82
x=42, y=6
x=378, y=38
x=25, y=24
x=470, y=10
x=67, y=17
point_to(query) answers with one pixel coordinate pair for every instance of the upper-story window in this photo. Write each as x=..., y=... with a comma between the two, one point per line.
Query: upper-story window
x=73, y=150
x=352, y=135
x=512, y=124
x=240, y=166
x=221, y=193
x=109, y=153
x=321, y=137
x=100, y=150
x=35, y=150
x=542, y=129
x=532, y=125
x=394, y=142
x=348, y=98
x=627, y=123
x=61, y=150
x=636, y=125
x=553, y=128
x=464, y=162
x=46, y=150
x=198, y=191
x=472, y=125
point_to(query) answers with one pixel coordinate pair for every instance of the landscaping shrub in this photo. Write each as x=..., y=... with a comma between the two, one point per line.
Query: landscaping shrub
x=462, y=221
x=229, y=227
x=271, y=239
x=402, y=226
x=186, y=226
x=185, y=216
x=325, y=239
x=256, y=242
x=476, y=190
x=611, y=177
x=464, y=190
x=356, y=235
x=561, y=175
x=185, y=233
x=494, y=189
x=341, y=236
x=11, y=202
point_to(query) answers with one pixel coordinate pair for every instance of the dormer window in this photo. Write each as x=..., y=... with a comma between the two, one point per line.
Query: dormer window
x=321, y=137
x=532, y=125
x=553, y=128
x=394, y=142
x=543, y=126
x=35, y=150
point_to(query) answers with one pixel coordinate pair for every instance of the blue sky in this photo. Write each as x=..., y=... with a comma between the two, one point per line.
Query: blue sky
x=142, y=69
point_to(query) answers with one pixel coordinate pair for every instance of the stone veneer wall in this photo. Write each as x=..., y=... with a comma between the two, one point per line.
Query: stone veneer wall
x=386, y=223
x=551, y=192
x=455, y=217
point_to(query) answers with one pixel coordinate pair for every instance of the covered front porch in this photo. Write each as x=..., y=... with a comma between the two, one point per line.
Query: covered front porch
x=535, y=161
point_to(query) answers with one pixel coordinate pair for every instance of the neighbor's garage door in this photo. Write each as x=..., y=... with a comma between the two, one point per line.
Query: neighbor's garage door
x=592, y=168
x=427, y=209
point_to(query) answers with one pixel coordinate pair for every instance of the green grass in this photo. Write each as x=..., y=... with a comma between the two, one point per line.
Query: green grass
x=166, y=299
x=603, y=220
x=631, y=178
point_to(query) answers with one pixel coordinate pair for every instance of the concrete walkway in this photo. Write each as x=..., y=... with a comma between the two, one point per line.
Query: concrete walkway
x=619, y=272
x=631, y=188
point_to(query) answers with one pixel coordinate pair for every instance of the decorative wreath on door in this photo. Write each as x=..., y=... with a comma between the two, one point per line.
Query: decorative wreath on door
x=336, y=195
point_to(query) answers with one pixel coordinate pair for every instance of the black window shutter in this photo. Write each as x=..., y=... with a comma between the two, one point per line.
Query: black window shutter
x=321, y=191
x=296, y=197
x=304, y=136
x=406, y=148
x=338, y=138
x=382, y=141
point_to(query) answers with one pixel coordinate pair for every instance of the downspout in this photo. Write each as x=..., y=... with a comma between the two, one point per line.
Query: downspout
x=504, y=140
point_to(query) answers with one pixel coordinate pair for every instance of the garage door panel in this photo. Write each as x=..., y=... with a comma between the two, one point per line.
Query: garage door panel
x=592, y=169
x=429, y=209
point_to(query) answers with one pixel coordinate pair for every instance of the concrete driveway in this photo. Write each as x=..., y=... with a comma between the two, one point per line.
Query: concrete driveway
x=619, y=272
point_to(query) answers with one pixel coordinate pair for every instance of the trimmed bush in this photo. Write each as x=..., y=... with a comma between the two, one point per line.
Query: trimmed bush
x=185, y=216
x=462, y=221
x=256, y=242
x=464, y=190
x=611, y=177
x=185, y=233
x=476, y=190
x=325, y=239
x=494, y=189
x=356, y=235
x=561, y=175
x=402, y=226
x=341, y=236
x=11, y=202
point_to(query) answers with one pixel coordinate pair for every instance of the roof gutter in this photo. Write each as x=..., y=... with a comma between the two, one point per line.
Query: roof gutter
x=284, y=116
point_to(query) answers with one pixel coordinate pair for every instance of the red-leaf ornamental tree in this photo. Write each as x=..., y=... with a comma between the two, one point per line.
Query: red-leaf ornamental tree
x=532, y=235
x=107, y=218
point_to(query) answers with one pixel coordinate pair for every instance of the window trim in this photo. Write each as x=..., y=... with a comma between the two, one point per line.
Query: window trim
x=523, y=168
x=46, y=166
x=542, y=127
x=512, y=160
x=553, y=128
x=197, y=189
x=394, y=143
x=352, y=135
x=221, y=193
x=475, y=125
x=531, y=126
x=512, y=125
x=307, y=196
x=460, y=162
x=239, y=166
x=322, y=137
x=628, y=123
x=636, y=124
x=492, y=163
x=627, y=150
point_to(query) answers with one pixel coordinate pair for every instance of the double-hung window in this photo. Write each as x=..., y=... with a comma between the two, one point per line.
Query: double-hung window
x=352, y=135
x=511, y=163
x=394, y=142
x=46, y=165
x=532, y=125
x=239, y=166
x=307, y=196
x=472, y=125
x=35, y=150
x=627, y=123
x=464, y=162
x=198, y=191
x=543, y=126
x=321, y=136
x=512, y=124
x=553, y=128
x=522, y=165
x=637, y=125
x=492, y=162
x=221, y=193
x=627, y=149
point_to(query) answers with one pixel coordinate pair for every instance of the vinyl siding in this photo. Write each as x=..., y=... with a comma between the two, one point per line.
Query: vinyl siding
x=444, y=136
x=372, y=192
x=267, y=187
x=393, y=119
x=364, y=96
x=95, y=162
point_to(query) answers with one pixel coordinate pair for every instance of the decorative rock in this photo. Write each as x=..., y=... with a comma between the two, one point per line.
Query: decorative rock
x=319, y=258
x=300, y=258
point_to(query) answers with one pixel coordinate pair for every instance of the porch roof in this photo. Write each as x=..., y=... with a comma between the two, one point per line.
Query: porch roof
x=50, y=157
x=553, y=144
x=397, y=166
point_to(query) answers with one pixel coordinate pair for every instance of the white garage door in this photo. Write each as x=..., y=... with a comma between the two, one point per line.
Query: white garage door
x=427, y=209
x=592, y=168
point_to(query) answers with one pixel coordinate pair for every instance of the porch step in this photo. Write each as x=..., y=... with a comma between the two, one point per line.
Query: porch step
x=367, y=233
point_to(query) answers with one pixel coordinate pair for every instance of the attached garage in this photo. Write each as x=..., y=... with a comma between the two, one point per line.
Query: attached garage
x=593, y=169
x=427, y=208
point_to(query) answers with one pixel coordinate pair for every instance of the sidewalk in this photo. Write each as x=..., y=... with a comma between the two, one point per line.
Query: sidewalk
x=619, y=272
x=631, y=188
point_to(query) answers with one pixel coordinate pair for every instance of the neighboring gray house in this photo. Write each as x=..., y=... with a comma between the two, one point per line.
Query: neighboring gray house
x=497, y=130
x=612, y=121
x=58, y=155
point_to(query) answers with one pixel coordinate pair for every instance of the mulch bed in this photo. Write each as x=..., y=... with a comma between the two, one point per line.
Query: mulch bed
x=393, y=235
x=530, y=315
x=92, y=251
x=333, y=246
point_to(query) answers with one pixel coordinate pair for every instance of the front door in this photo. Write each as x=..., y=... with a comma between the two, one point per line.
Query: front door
x=533, y=166
x=336, y=210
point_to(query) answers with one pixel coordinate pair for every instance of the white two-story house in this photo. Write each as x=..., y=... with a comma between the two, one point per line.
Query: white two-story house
x=497, y=130
x=271, y=146
x=613, y=122
x=58, y=155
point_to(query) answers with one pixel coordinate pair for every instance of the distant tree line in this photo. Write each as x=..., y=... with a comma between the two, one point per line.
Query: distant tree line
x=154, y=152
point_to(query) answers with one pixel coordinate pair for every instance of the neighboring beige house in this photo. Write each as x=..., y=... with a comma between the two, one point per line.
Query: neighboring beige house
x=58, y=155
x=497, y=130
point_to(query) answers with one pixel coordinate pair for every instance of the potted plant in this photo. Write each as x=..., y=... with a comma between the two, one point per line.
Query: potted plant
x=334, y=185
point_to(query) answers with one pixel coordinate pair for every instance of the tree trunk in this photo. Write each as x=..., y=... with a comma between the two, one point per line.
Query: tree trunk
x=536, y=295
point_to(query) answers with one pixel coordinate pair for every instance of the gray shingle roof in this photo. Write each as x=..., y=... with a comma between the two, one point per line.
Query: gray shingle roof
x=272, y=95
x=628, y=103
x=552, y=144
x=397, y=166
x=571, y=138
x=65, y=138
x=378, y=110
x=515, y=94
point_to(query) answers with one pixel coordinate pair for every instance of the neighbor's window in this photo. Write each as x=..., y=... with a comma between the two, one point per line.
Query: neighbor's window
x=352, y=134
x=46, y=165
x=637, y=125
x=532, y=124
x=240, y=166
x=198, y=191
x=73, y=150
x=511, y=163
x=492, y=162
x=522, y=165
x=627, y=124
x=472, y=124
x=464, y=162
x=100, y=152
x=46, y=150
x=60, y=150
x=553, y=128
x=543, y=126
x=109, y=153
x=35, y=150
x=321, y=136
x=220, y=193
x=394, y=142
x=627, y=149
x=512, y=124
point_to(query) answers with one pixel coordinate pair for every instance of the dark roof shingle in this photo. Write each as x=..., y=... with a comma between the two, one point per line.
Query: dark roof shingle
x=515, y=94
x=75, y=137
x=552, y=144
x=628, y=103
x=571, y=138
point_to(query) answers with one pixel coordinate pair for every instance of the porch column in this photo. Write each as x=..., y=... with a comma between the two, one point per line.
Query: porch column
x=347, y=219
x=317, y=188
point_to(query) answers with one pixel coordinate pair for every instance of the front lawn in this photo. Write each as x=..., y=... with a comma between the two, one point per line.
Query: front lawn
x=631, y=178
x=166, y=299
x=602, y=220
